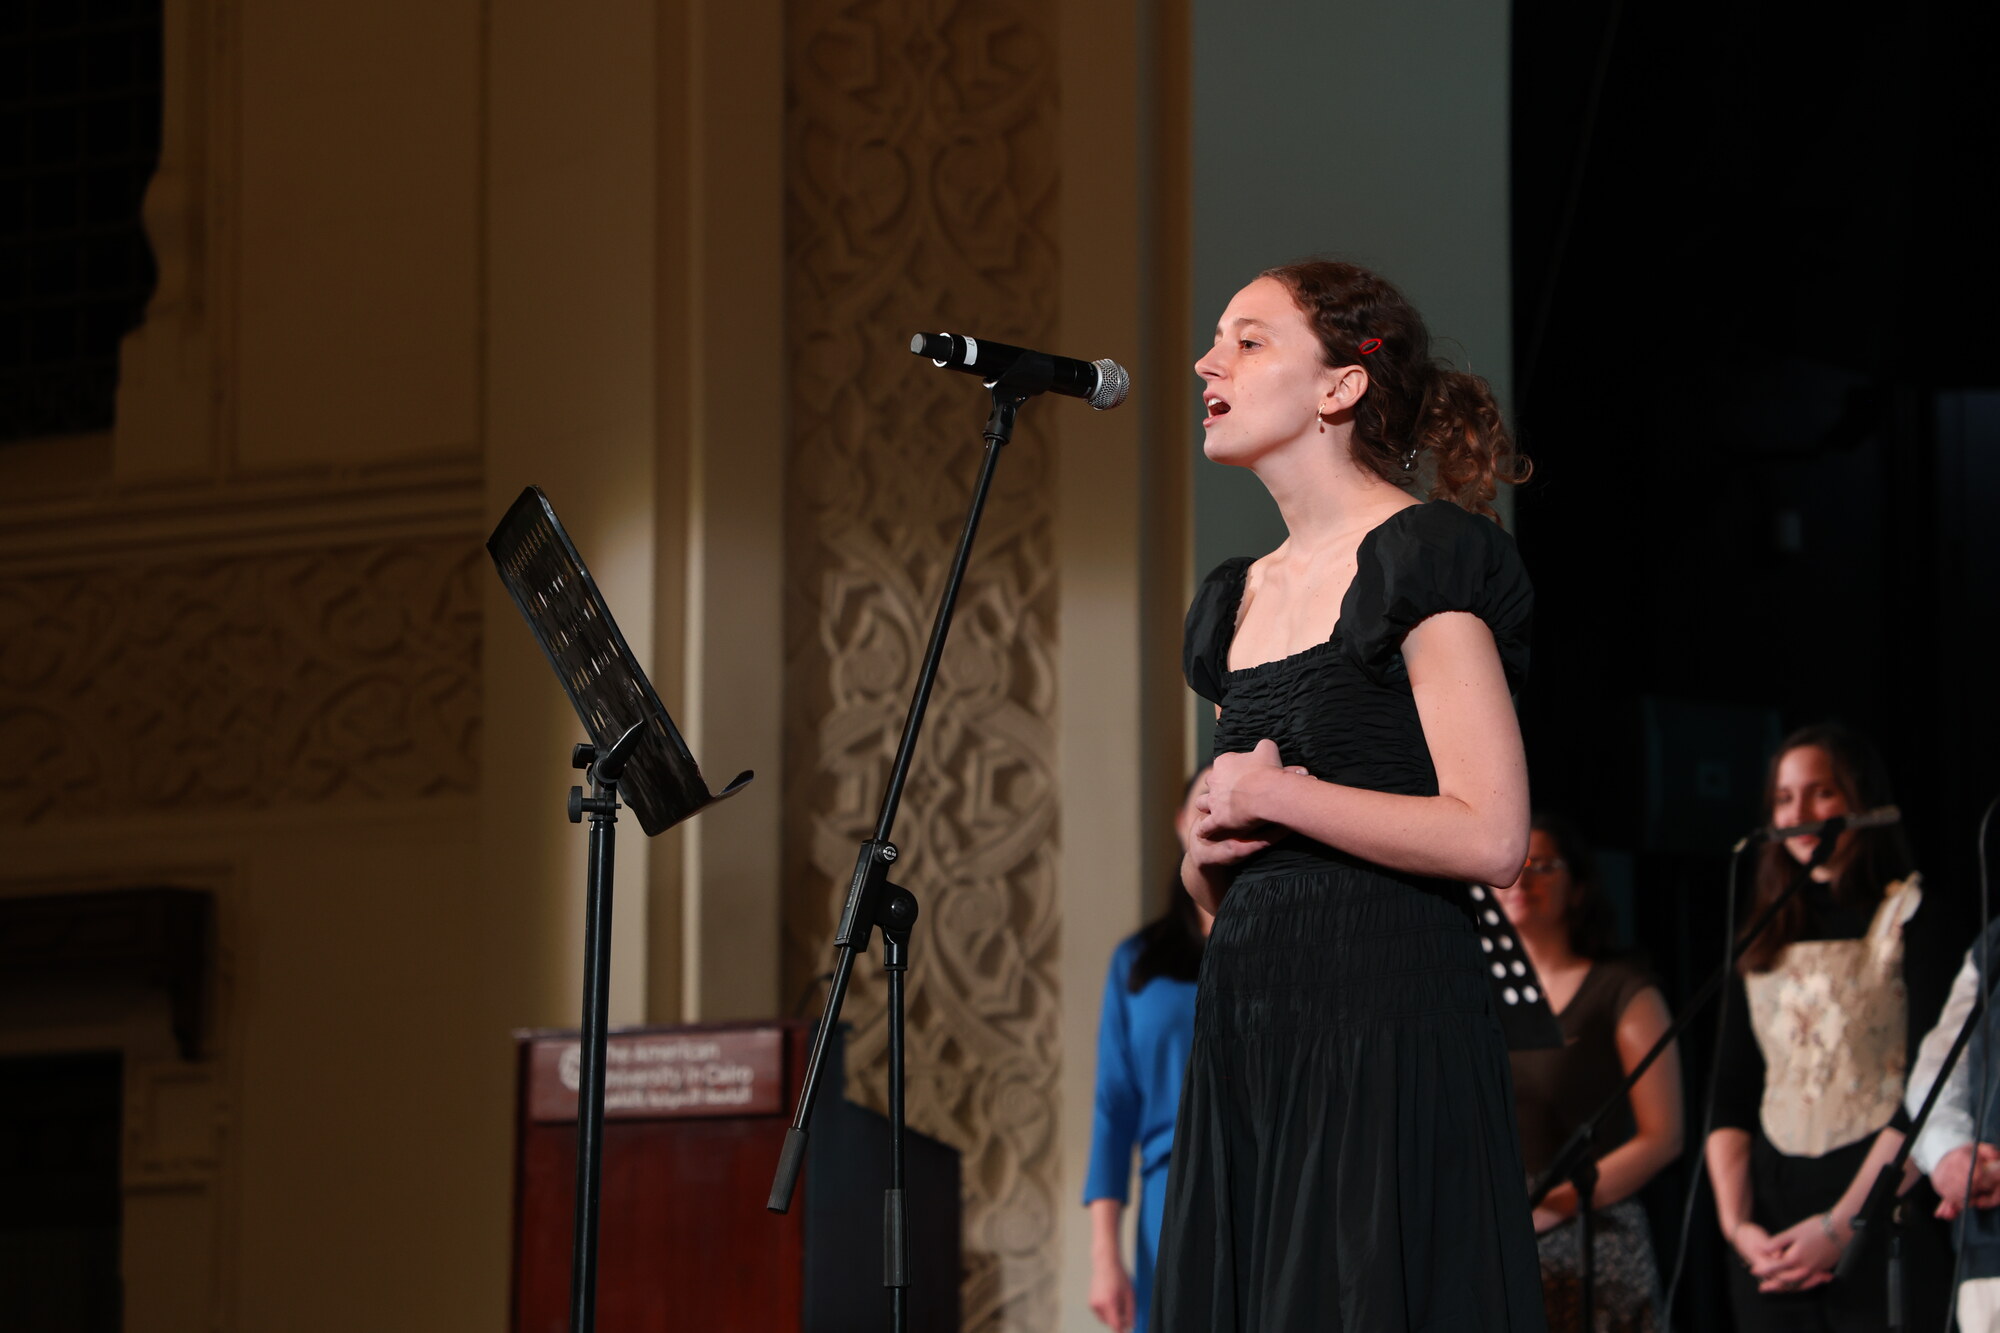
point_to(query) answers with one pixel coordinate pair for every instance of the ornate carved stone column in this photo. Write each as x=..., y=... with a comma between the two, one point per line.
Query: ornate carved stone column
x=921, y=193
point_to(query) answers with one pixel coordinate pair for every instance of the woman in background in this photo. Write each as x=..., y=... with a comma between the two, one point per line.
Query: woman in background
x=1142, y=1049
x=1611, y=1013
x=1832, y=1000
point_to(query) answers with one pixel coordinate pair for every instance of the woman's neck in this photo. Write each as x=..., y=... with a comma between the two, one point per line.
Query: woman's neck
x=1322, y=495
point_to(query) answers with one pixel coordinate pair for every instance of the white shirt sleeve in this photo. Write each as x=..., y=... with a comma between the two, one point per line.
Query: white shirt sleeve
x=1950, y=1125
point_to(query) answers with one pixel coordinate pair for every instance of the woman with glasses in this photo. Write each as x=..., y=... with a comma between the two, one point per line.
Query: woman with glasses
x=1611, y=1014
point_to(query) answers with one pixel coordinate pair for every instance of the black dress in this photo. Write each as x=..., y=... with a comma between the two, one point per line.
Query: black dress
x=1346, y=1157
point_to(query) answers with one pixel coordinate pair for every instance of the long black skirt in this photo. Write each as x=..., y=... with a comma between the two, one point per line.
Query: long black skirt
x=1346, y=1156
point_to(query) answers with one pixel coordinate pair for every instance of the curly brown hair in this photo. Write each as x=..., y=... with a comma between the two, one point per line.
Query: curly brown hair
x=1415, y=400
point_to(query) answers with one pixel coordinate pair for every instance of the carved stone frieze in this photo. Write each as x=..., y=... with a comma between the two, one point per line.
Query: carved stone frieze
x=241, y=681
x=920, y=195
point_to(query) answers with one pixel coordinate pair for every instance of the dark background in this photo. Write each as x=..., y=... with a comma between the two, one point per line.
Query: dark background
x=1757, y=330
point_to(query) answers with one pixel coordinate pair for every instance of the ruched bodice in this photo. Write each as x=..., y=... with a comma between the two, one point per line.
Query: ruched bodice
x=1325, y=713
x=1346, y=1156
x=1343, y=708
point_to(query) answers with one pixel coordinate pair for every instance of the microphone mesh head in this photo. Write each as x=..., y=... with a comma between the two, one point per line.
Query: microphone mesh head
x=1113, y=384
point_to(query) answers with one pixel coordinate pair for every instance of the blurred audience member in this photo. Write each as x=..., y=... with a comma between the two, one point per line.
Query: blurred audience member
x=1611, y=1013
x=1963, y=1166
x=1142, y=1053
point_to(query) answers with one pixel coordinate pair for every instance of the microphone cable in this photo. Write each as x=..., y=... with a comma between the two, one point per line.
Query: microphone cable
x=1984, y=981
x=1700, y=1171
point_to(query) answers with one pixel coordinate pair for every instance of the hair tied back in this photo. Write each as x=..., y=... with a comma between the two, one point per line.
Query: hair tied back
x=1412, y=399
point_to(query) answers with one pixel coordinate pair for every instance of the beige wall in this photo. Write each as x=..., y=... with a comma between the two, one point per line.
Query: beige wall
x=256, y=622
x=1122, y=533
x=718, y=389
x=329, y=1162
x=412, y=260
x=569, y=335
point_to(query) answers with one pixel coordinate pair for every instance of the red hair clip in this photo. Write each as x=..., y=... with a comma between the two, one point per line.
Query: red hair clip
x=1370, y=346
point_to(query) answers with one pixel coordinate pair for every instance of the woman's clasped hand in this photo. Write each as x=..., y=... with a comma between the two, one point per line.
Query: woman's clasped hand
x=1799, y=1258
x=1230, y=828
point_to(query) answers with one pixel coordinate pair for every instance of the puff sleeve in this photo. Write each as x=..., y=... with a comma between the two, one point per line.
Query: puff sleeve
x=1211, y=624
x=1432, y=558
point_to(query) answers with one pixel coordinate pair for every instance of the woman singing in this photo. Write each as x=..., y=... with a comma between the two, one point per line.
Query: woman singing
x=1346, y=1156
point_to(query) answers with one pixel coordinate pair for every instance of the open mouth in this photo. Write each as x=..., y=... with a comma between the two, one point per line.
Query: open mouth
x=1217, y=407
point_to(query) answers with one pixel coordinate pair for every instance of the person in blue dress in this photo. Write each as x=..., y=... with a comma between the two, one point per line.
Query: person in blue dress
x=1142, y=1050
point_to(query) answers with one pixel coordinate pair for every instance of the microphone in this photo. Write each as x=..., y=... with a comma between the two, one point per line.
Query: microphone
x=1886, y=815
x=1102, y=384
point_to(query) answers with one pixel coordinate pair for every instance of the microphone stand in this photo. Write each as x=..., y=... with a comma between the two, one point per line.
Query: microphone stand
x=1574, y=1162
x=873, y=901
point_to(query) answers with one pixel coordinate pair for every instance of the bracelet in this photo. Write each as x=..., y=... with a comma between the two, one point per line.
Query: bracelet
x=1826, y=1227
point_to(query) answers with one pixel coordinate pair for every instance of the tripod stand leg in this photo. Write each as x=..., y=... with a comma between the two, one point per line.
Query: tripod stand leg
x=901, y=908
x=1895, y=1274
x=1586, y=1287
x=1585, y=1179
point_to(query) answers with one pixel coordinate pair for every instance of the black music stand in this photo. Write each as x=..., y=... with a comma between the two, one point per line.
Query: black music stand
x=634, y=751
x=1526, y=1019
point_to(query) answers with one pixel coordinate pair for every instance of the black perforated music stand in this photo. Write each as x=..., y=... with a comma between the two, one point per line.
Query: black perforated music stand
x=1523, y=1008
x=662, y=783
x=634, y=752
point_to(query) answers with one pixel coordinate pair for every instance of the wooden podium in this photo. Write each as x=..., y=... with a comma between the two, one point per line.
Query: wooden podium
x=694, y=1118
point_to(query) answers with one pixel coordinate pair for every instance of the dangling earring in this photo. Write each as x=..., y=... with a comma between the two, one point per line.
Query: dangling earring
x=1410, y=459
x=1322, y=422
